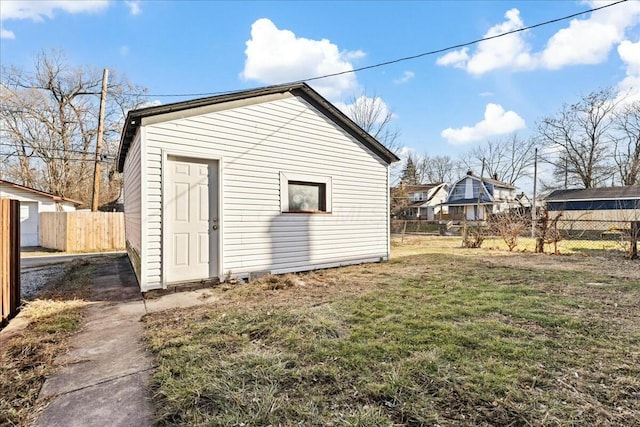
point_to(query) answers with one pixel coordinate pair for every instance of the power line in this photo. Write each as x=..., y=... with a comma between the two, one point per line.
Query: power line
x=382, y=64
x=408, y=58
x=40, y=150
x=40, y=158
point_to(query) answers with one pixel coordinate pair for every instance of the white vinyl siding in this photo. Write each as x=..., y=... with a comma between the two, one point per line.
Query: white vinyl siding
x=256, y=143
x=35, y=204
x=133, y=202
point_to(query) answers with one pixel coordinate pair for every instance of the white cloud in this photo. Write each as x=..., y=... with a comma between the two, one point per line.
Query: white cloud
x=457, y=58
x=365, y=105
x=154, y=103
x=583, y=41
x=629, y=87
x=6, y=34
x=124, y=50
x=134, y=7
x=589, y=41
x=277, y=56
x=496, y=121
x=509, y=51
x=37, y=11
x=406, y=76
x=354, y=54
x=485, y=94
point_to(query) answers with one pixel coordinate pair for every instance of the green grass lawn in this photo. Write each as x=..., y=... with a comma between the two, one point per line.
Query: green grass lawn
x=428, y=338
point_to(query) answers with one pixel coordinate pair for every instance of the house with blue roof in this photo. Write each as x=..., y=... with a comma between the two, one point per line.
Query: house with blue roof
x=474, y=198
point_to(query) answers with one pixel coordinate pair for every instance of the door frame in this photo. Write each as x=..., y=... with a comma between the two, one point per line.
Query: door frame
x=197, y=156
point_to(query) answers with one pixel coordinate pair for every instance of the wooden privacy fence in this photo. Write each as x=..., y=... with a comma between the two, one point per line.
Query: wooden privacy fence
x=9, y=258
x=82, y=231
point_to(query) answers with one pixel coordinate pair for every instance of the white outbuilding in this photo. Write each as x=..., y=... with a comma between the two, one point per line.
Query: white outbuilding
x=269, y=180
x=32, y=203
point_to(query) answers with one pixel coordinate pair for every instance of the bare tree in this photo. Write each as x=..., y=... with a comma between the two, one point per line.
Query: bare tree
x=509, y=159
x=372, y=115
x=437, y=169
x=399, y=200
x=626, y=153
x=579, y=138
x=49, y=125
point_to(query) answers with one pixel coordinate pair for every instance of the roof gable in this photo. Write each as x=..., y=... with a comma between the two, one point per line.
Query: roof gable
x=435, y=189
x=482, y=191
x=420, y=187
x=53, y=197
x=492, y=181
x=135, y=117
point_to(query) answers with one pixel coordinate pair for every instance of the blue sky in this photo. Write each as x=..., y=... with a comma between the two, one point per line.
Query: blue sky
x=443, y=104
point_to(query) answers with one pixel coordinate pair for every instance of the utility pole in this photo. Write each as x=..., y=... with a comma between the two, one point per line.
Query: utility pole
x=480, y=192
x=534, y=214
x=96, y=170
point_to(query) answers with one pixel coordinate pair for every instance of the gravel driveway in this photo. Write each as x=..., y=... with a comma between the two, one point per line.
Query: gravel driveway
x=35, y=279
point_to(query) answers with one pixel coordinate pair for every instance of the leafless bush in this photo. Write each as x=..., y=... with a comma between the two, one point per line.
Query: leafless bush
x=509, y=226
x=629, y=239
x=547, y=232
x=473, y=236
x=634, y=234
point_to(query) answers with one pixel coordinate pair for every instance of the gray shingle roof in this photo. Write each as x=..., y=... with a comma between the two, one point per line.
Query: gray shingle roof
x=604, y=193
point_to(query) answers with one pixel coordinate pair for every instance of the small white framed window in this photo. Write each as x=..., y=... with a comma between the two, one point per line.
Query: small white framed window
x=302, y=193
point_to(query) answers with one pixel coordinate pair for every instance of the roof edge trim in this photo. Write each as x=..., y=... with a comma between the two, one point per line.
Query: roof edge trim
x=134, y=117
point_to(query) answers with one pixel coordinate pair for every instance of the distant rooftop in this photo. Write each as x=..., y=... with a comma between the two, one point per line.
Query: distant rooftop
x=420, y=187
x=603, y=193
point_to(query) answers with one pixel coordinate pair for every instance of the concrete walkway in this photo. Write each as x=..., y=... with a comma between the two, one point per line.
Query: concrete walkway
x=104, y=380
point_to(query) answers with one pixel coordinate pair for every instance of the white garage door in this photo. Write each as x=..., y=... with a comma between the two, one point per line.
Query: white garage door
x=29, y=224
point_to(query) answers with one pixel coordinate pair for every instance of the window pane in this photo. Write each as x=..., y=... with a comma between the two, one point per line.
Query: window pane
x=458, y=192
x=306, y=196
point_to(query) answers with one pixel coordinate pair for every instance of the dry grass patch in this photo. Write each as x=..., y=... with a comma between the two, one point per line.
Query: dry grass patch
x=413, y=244
x=27, y=357
x=451, y=338
x=575, y=255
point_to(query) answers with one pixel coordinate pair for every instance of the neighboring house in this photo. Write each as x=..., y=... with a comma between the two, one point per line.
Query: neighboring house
x=601, y=206
x=474, y=199
x=426, y=201
x=270, y=180
x=32, y=202
x=523, y=201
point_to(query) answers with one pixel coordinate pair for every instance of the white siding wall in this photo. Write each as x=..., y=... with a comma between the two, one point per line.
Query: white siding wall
x=48, y=206
x=30, y=227
x=133, y=202
x=468, y=188
x=256, y=143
